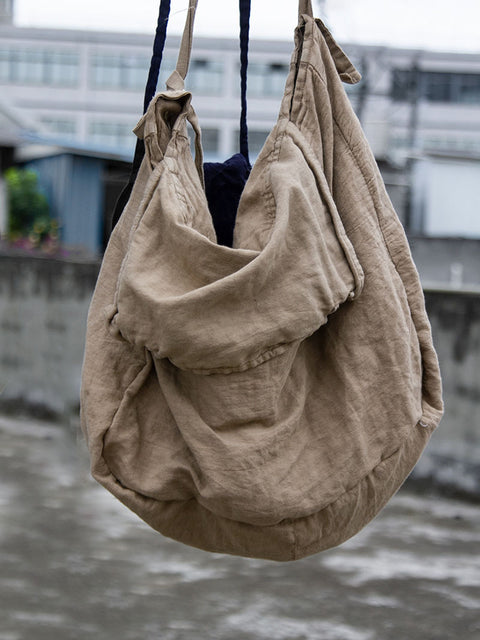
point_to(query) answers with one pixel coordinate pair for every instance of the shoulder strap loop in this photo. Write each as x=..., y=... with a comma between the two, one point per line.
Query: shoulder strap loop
x=176, y=80
x=305, y=8
x=158, y=46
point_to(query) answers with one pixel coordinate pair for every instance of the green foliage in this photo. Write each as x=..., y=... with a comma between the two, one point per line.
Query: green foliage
x=30, y=226
x=27, y=206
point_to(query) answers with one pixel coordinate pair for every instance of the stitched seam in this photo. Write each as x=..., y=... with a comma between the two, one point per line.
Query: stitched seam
x=339, y=230
x=173, y=170
x=373, y=469
x=139, y=370
x=354, y=157
x=136, y=221
x=290, y=521
x=383, y=461
x=268, y=354
x=267, y=185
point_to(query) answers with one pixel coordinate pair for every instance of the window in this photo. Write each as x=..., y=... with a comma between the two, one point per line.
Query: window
x=115, y=135
x=210, y=142
x=131, y=72
x=60, y=126
x=402, y=84
x=4, y=66
x=119, y=72
x=61, y=68
x=210, y=138
x=436, y=86
x=266, y=80
x=166, y=69
x=27, y=67
x=205, y=77
x=452, y=142
x=39, y=67
x=468, y=88
x=256, y=140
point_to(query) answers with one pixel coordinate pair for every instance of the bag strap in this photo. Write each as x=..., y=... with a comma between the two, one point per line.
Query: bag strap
x=158, y=46
x=176, y=81
x=151, y=86
x=305, y=8
x=244, y=6
x=177, y=78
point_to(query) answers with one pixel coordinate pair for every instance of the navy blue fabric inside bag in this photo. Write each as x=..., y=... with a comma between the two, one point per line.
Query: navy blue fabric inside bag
x=224, y=181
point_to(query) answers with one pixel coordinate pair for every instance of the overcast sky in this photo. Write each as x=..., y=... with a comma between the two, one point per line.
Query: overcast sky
x=432, y=24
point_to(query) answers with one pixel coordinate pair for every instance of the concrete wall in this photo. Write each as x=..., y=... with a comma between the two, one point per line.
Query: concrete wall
x=443, y=184
x=447, y=263
x=453, y=456
x=43, y=309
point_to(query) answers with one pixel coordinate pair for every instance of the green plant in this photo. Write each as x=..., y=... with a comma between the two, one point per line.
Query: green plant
x=27, y=206
x=44, y=230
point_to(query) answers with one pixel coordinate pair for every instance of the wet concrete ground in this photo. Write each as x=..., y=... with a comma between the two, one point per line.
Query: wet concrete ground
x=75, y=564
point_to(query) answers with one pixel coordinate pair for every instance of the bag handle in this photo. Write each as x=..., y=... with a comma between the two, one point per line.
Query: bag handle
x=305, y=7
x=158, y=46
x=176, y=81
x=244, y=6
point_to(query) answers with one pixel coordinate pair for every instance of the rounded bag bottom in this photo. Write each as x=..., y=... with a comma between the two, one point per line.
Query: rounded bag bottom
x=191, y=523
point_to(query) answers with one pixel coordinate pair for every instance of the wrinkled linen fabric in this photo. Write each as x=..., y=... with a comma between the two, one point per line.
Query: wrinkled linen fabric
x=264, y=400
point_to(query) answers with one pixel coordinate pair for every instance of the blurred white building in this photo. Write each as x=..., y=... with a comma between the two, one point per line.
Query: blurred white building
x=87, y=87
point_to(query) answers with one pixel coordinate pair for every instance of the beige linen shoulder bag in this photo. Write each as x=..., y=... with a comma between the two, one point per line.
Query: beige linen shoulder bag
x=268, y=399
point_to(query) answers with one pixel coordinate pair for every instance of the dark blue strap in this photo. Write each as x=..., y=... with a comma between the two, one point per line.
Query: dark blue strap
x=151, y=87
x=244, y=33
x=158, y=46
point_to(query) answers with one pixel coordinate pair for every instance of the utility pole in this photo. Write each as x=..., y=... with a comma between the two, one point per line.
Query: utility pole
x=412, y=137
x=362, y=89
x=413, y=99
x=6, y=11
x=6, y=161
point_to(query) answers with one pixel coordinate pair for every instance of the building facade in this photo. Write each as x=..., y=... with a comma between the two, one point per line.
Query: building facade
x=86, y=87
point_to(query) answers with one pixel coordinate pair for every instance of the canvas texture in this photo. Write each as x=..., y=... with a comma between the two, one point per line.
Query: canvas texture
x=268, y=399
